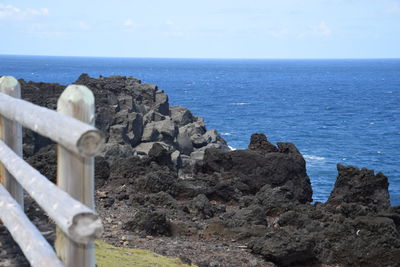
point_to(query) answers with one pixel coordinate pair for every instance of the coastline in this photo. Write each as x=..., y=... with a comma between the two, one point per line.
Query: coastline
x=219, y=207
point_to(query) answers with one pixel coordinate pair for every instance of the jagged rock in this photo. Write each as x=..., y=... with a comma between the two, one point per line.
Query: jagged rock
x=153, y=115
x=129, y=113
x=132, y=125
x=161, y=199
x=197, y=155
x=184, y=143
x=125, y=102
x=256, y=170
x=118, y=134
x=150, y=222
x=113, y=151
x=162, y=105
x=135, y=128
x=202, y=206
x=288, y=148
x=193, y=128
x=144, y=148
x=150, y=133
x=360, y=186
x=176, y=159
x=259, y=142
x=285, y=249
x=212, y=136
x=158, y=181
x=199, y=140
x=164, y=130
x=160, y=154
x=181, y=115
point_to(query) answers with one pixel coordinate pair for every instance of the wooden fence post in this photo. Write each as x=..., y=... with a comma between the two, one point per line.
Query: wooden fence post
x=75, y=174
x=11, y=134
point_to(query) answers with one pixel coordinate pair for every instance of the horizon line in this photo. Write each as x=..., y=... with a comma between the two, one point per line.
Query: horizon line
x=213, y=58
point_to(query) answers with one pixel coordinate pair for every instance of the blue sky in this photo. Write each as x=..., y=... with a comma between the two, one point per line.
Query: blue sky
x=202, y=29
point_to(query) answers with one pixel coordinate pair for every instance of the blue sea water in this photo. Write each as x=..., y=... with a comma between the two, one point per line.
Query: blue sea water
x=335, y=111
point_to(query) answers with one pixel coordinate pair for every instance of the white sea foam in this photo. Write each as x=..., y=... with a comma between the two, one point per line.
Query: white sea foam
x=231, y=148
x=226, y=133
x=241, y=103
x=313, y=158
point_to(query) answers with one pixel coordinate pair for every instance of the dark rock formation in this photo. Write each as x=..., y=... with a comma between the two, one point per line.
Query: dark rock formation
x=131, y=114
x=257, y=197
x=202, y=207
x=360, y=186
x=149, y=222
x=254, y=170
x=259, y=142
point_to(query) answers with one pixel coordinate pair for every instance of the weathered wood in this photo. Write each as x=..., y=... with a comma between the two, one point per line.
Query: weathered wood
x=30, y=240
x=76, y=220
x=79, y=137
x=75, y=174
x=11, y=134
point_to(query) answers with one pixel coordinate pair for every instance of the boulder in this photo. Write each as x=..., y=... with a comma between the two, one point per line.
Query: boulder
x=125, y=102
x=127, y=128
x=164, y=130
x=114, y=151
x=360, y=186
x=162, y=105
x=259, y=142
x=256, y=170
x=184, y=142
x=152, y=115
x=212, y=136
x=193, y=128
x=118, y=134
x=144, y=148
x=149, y=222
x=202, y=207
x=176, y=159
x=199, y=140
x=160, y=154
x=181, y=115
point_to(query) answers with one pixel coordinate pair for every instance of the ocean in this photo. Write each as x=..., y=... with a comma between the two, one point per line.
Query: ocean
x=334, y=111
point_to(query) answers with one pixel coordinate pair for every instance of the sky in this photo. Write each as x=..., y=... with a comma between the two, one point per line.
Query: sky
x=202, y=29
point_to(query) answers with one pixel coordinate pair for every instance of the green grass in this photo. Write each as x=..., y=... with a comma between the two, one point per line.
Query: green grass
x=110, y=256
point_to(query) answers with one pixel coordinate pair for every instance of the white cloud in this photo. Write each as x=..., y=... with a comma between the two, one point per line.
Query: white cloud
x=321, y=29
x=83, y=25
x=13, y=12
x=129, y=25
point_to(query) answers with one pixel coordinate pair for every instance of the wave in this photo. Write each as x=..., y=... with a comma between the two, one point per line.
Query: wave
x=231, y=148
x=226, y=133
x=241, y=103
x=313, y=158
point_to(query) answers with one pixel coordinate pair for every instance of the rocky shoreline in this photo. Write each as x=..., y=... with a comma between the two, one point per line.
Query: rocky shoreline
x=166, y=183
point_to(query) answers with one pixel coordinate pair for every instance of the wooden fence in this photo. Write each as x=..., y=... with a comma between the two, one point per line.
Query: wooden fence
x=70, y=203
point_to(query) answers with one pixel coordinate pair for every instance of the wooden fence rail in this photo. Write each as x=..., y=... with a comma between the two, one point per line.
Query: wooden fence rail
x=71, y=203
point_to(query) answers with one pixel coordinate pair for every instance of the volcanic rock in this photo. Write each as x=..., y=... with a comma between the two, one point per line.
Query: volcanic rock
x=149, y=222
x=255, y=170
x=129, y=113
x=259, y=142
x=360, y=186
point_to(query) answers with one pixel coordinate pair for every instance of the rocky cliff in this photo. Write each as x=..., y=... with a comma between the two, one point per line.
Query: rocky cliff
x=135, y=117
x=168, y=184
